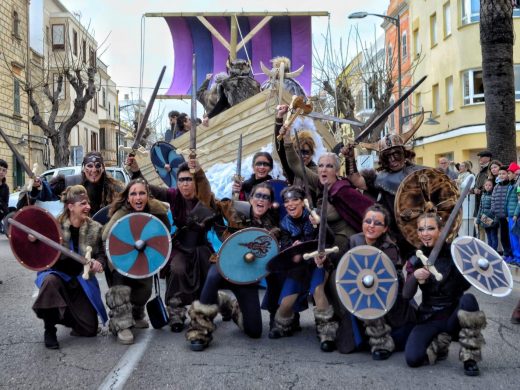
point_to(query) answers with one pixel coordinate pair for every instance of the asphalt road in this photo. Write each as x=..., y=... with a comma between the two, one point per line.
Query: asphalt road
x=160, y=359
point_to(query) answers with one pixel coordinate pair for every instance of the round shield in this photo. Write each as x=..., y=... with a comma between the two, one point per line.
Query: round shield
x=283, y=261
x=102, y=215
x=482, y=266
x=243, y=257
x=425, y=190
x=278, y=186
x=366, y=282
x=31, y=253
x=138, y=245
x=163, y=153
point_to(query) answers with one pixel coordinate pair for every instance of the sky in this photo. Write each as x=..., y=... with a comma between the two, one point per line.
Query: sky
x=116, y=25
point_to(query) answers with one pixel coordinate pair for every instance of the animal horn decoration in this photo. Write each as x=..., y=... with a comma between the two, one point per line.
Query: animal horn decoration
x=268, y=72
x=296, y=73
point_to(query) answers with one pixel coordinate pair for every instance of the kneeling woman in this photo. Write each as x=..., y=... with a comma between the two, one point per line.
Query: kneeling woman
x=445, y=310
x=246, y=311
x=65, y=297
x=126, y=297
x=306, y=278
x=390, y=332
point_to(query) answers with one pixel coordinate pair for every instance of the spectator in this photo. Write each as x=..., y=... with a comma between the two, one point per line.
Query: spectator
x=183, y=125
x=444, y=165
x=513, y=172
x=172, y=116
x=493, y=170
x=498, y=208
x=485, y=217
x=482, y=175
x=4, y=194
x=465, y=174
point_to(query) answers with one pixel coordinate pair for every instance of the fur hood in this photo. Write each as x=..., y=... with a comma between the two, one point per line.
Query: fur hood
x=89, y=235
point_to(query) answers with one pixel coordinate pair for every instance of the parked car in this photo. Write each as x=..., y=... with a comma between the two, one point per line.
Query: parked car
x=55, y=207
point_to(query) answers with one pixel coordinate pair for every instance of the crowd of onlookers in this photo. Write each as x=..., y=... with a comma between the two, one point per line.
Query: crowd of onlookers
x=497, y=201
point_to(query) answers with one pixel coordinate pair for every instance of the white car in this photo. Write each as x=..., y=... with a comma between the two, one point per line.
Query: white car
x=55, y=207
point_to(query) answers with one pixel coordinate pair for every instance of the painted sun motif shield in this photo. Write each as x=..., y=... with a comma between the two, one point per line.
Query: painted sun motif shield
x=366, y=282
x=163, y=153
x=482, y=266
x=243, y=257
x=138, y=245
x=34, y=254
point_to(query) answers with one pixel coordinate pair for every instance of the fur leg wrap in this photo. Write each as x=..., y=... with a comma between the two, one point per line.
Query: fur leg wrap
x=225, y=305
x=439, y=348
x=326, y=326
x=470, y=335
x=201, y=324
x=378, y=332
x=236, y=315
x=118, y=301
x=176, y=311
x=283, y=324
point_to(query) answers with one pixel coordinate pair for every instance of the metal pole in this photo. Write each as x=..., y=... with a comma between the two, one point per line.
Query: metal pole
x=397, y=21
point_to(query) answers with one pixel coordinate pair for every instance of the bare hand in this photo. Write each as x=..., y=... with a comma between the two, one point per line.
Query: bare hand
x=421, y=274
x=205, y=121
x=320, y=260
x=476, y=191
x=193, y=164
x=348, y=150
x=314, y=221
x=236, y=187
x=95, y=266
x=131, y=163
x=297, y=258
x=37, y=182
x=281, y=110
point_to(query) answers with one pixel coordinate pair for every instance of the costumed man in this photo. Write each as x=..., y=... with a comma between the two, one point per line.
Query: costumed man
x=208, y=97
x=289, y=83
x=172, y=117
x=101, y=188
x=191, y=251
x=65, y=297
x=484, y=159
x=446, y=311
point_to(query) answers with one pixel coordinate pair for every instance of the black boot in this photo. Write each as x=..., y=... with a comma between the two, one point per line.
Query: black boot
x=50, y=339
x=471, y=368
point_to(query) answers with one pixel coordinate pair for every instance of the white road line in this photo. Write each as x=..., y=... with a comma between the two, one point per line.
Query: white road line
x=35, y=292
x=117, y=378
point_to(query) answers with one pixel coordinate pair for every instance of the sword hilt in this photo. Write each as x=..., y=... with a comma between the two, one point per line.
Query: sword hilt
x=430, y=267
x=30, y=183
x=140, y=151
x=325, y=252
x=312, y=212
x=86, y=266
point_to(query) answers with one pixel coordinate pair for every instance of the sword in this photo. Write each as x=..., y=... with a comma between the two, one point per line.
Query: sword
x=429, y=262
x=193, y=130
x=319, y=115
x=238, y=175
x=33, y=235
x=322, y=233
x=382, y=117
x=308, y=199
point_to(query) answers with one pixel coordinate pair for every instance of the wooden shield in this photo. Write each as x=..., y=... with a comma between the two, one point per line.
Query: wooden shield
x=366, y=282
x=102, y=215
x=425, y=190
x=163, y=153
x=482, y=266
x=34, y=254
x=243, y=257
x=138, y=245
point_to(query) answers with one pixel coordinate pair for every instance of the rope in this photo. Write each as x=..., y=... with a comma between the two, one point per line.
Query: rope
x=245, y=46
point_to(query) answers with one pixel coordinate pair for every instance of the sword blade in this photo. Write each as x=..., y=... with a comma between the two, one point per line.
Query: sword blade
x=142, y=125
x=239, y=157
x=319, y=115
x=17, y=155
x=193, y=130
x=386, y=113
x=322, y=233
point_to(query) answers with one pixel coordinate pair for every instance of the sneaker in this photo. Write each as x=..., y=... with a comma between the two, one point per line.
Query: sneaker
x=125, y=336
x=141, y=324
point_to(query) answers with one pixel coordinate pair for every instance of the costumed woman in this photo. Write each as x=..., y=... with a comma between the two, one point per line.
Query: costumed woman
x=446, y=311
x=306, y=278
x=245, y=311
x=127, y=297
x=388, y=333
x=262, y=166
x=189, y=263
x=65, y=297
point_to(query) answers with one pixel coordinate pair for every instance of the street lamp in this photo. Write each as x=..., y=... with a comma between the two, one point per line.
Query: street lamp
x=397, y=23
x=430, y=121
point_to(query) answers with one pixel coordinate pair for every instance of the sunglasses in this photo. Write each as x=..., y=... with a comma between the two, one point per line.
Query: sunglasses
x=375, y=222
x=262, y=164
x=259, y=196
x=94, y=165
x=186, y=179
x=305, y=152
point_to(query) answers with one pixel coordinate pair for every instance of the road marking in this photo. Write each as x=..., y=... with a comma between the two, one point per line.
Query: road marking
x=35, y=292
x=117, y=378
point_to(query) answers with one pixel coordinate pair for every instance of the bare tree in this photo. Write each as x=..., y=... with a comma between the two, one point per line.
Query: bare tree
x=496, y=39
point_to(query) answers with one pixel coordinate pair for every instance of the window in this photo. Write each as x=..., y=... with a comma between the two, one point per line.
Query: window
x=93, y=141
x=55, y=77
x=109, y=109
x=517, y=81
x=446, y=10
x=416, y=43
x=16, y=97
x=470, y=11
x=84, y=51
x=104, y=98
x=75, y=42
x=390, y=56
x=473, y=87
x=433, y=30
x=58, y=36
x=102, y=139
x=404, y=45
x=418, y=100
x=391, y=124
x=449, y=94
x=516, y=8
x=406, y=110
x=94, y=103
x=435, y=100
x=92, y=58
x=16, y=25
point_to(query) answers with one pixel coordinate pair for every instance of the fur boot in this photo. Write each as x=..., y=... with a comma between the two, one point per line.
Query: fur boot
x=439, y=348
x=118, y=301
x=470, y=335
x=201, y=325
x=225, y=306
x=378, y=332
x=326, y=326
x=236, y=315
x=282, y=327
x=176, y=313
